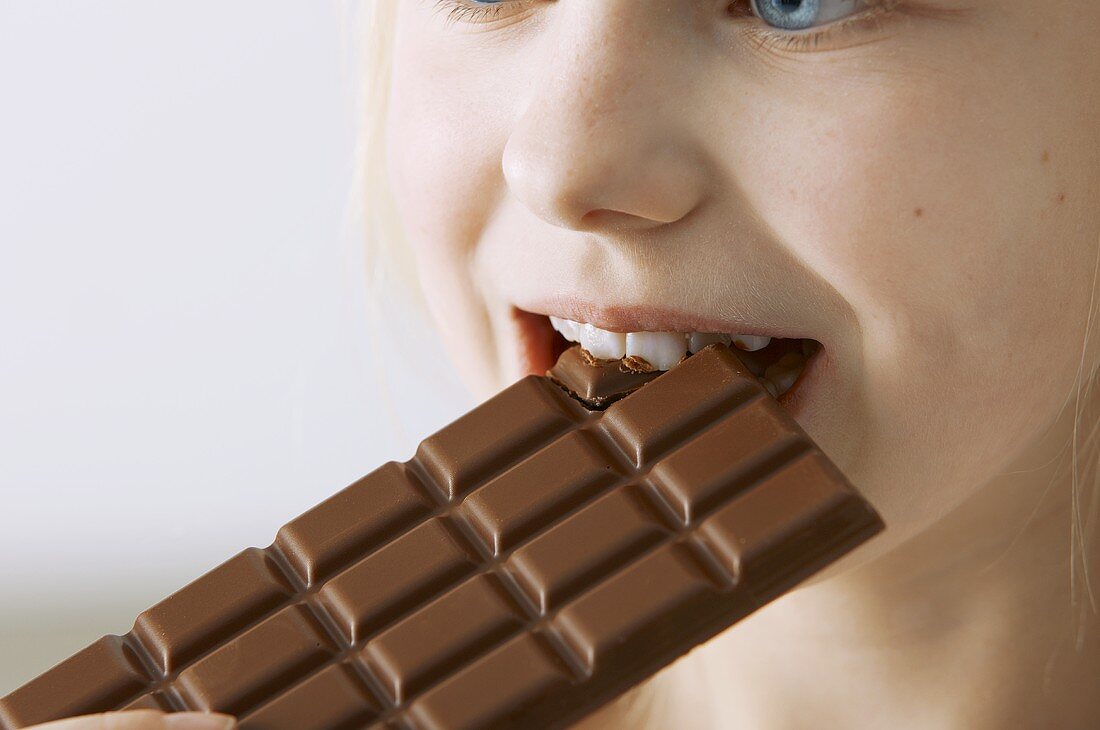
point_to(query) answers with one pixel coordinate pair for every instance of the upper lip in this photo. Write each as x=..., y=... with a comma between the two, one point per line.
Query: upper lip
x=651, y=318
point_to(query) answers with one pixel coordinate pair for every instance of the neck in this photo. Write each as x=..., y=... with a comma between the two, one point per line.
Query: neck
x=972, y=623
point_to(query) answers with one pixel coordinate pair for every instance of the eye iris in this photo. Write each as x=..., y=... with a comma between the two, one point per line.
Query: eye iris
x=789, y=14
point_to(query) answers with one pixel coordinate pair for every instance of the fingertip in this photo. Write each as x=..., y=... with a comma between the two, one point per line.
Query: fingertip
x=199, y=721
x=144, y=720
x=129, y=720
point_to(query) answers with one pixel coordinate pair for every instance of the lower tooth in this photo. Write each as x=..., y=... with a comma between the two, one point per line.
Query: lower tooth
x=785, y=371
x=751, y=343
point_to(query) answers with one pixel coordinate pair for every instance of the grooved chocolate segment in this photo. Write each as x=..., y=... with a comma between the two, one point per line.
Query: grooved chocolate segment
x=743, y=446
x=478, y=444
x=259, y=663
x=95, y=679
x=332, y=699
x=596, y=385
x=522, y=673
x=432, y=641
x=211, y=608
x=803, y=509
x=584, y=547
x=394, y=579
x=538, y=490
x=697, y=391
x=614, y=542
x=375, y=508
x=647, y=601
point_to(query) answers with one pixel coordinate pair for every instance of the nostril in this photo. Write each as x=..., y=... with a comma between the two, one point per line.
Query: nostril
x=614, y=221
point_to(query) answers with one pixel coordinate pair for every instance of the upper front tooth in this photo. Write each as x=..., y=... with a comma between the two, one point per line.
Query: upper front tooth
x=751, y=343
x=569, y=329
x=662, y=350
x=698, y=340
x=603, y=344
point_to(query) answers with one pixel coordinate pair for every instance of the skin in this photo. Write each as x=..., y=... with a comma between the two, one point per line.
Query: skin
x=143, y=720
x=919, y=194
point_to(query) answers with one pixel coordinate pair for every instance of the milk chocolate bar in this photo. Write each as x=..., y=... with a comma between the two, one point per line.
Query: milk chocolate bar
x=533, y=560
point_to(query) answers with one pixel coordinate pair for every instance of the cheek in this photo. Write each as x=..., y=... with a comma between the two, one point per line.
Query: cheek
x=931, y=211
x=443, y=164
x=443, y=178
x=445, y=133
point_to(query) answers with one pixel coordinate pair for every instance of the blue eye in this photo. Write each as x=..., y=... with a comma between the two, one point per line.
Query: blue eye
x=802, y=14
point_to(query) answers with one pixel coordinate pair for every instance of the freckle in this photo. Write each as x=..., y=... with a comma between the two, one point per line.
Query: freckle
x=1046, y=156
x=1061, y=197
x=918, y=212
x=791, y=192
x=1035, y=34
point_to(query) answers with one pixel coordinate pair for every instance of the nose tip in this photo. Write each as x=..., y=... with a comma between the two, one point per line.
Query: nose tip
x=585, y=180
x=606, y=137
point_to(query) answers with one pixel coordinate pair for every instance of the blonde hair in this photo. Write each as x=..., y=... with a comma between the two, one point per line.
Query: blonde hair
x=386, y=256
x=1085, y=457
x=390, y=263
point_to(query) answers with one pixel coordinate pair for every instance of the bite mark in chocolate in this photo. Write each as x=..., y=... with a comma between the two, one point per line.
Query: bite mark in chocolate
x=598, y=383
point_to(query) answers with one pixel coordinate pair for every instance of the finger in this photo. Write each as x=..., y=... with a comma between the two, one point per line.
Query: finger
x=144, y=720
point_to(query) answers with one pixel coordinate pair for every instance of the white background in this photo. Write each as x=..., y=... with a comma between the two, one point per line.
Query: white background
x=185, y=356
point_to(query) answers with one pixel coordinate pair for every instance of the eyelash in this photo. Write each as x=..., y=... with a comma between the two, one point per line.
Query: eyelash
x=765, y=37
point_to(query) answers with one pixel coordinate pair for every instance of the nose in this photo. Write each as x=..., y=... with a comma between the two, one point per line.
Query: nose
x=604, y=141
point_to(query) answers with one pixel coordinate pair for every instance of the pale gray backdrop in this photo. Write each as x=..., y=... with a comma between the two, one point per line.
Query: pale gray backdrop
x=185, y=361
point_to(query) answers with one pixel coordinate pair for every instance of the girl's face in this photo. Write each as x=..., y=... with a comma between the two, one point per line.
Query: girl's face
x=915, y=189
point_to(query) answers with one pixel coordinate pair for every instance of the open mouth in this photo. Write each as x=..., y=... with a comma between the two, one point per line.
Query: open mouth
x=779, y=362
